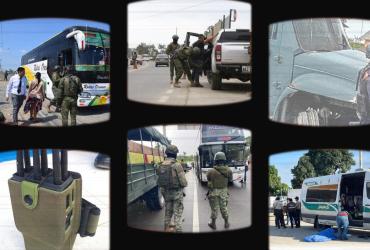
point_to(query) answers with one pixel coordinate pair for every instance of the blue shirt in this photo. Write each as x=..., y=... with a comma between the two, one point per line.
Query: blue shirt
x=12, y=87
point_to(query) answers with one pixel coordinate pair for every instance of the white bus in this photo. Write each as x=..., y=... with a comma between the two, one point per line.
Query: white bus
x=321, y=198
x=231, y=141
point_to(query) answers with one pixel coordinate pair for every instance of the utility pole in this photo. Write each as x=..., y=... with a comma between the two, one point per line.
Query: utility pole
x=360, y=159
x=164, y=131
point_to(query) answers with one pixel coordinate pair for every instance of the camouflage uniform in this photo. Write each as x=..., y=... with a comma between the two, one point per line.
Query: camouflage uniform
x=70, y=87
x=170, y=51
x=181, y=63
x=218, y=179
x=55, y=77
x=172, y=190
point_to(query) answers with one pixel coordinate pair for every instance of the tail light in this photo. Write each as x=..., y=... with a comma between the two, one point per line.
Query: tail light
x=218, y=53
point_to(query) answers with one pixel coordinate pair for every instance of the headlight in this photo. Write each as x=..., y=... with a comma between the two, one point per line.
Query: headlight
x=85, y=95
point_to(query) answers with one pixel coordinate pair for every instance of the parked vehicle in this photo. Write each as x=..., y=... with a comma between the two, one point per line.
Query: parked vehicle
x=139, y=61
x=321, y=198
x=231, y=57
x=314, y=74
x=102, y=161
x=162, y=59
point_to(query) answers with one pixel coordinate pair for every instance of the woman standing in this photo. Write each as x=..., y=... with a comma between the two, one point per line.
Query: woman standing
x=35, y=97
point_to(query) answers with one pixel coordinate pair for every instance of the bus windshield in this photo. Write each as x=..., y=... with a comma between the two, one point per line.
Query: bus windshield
x=93, y=55
x=97, y=51
x=235, y=154
x=321, y=34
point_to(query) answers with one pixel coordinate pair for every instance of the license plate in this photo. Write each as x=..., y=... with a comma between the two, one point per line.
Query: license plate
x=246, y=68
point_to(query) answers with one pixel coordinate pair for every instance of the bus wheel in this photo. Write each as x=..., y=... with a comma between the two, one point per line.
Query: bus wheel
x=154, y=199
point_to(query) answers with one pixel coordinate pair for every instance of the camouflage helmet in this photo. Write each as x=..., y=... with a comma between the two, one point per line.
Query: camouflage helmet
x=172, y=149
x=196, y=51
x=175, y=37
x=188, y=51
x=220, y=156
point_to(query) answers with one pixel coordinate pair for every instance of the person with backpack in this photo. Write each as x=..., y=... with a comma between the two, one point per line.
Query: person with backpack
x=70, y=87
x=218, y=179
x=172, y=181
x=35, y=97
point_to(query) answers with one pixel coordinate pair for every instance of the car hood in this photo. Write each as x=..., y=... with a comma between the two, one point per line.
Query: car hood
x=344, y=63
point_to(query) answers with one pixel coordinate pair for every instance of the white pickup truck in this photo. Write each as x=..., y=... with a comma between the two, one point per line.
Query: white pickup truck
x=231, y=57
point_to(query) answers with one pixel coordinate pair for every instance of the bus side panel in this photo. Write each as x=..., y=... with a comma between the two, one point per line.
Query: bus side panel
x=366, y=202
x=325, y=211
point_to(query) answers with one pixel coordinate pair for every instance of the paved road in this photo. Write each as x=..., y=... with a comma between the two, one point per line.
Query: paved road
x=196, y=209
x=88, y=115
x=150, y=84
x=292, y=239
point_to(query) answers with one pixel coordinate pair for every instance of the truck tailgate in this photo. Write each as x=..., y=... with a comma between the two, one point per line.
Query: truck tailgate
x=235, y=53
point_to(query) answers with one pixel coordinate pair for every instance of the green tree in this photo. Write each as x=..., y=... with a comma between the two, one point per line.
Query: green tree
x=319, y=162
x=274, y=180
x=284, y=189
x=304, y=169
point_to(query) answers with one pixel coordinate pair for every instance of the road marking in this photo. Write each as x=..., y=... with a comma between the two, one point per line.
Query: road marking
x=163, y=99
x=170, y=91
x=195, y=208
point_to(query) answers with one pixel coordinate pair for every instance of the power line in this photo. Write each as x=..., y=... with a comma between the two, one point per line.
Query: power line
x=191, y=6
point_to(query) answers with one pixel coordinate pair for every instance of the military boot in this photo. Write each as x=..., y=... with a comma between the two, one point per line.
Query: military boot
x=212, y=224
x=227, y=225
x=198, y=85
x=176, y=84
x=192, y=84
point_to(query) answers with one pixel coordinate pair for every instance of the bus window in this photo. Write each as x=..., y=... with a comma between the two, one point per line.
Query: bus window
x=324, y=193
x=65, y=57
x=368, y=189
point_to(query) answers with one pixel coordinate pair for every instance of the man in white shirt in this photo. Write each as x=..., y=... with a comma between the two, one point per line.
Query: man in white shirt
x=17, y=89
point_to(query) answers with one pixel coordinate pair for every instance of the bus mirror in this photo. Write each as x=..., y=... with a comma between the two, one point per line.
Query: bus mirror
x=79, y=36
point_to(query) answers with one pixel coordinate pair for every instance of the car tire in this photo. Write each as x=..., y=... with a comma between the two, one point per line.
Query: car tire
x=154, y=199
x=309, y=117
x=216, y=81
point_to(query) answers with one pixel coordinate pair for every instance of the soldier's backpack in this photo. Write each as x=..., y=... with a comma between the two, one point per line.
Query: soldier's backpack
x=71, y=86
x=167, y=175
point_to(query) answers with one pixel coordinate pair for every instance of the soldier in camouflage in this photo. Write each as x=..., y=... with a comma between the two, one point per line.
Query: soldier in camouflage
x=181, y=60
x=70, y=87
x=172, y=181
x=170, y=51
x=55, y=78
x=218, y=179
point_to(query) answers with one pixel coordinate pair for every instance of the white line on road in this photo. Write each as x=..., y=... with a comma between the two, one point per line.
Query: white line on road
x=163, y=99
x=170, y=91
x=195, y=208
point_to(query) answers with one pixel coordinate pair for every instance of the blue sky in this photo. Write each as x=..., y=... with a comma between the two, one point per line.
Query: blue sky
x=155, y=22
x=284, y=162
x=20, y=36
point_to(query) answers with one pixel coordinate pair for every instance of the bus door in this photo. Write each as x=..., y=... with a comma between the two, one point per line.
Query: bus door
x=366, y=202
x=352, y=192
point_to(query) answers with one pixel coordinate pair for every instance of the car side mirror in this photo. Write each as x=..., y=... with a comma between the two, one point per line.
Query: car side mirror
x=368, y=52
